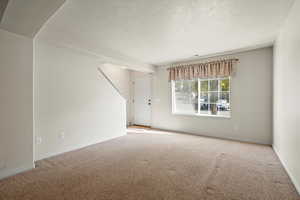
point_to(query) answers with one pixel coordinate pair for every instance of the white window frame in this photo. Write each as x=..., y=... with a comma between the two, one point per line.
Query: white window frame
x=174, y=112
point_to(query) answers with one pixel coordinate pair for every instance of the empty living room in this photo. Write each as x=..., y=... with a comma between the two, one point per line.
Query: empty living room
x=149, y=100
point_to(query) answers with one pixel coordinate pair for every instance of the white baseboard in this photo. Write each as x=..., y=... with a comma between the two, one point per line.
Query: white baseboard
x=295, y=182
x=210, y=135
x=11, y=172
x=76, y=147
x=4, y=173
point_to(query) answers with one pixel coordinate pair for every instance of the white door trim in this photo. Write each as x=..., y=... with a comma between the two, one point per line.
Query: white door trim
x=140, y=101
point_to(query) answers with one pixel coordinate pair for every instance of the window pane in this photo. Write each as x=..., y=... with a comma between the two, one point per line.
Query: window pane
x=224, y=97
x=213, y=85
x=204, y=86
x=224, y=104
x=213, y=97
x=224, y=85
x=204, y=97
x=186, y=96
x=203, y=108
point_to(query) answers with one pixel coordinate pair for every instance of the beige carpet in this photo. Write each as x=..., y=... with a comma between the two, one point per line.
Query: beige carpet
x=157, y=167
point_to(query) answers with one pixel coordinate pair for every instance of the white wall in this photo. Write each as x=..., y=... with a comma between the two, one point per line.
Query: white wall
x=72, y=97
x=121, y=78
x=251, y=103
x=287, y=96
x=16, y=103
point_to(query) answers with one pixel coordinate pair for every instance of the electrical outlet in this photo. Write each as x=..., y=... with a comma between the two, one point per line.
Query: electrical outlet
x=38, y=140
x=62, y=135
x=2, y=164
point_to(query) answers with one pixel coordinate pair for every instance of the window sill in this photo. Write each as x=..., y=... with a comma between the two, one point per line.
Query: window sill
x=201, y=115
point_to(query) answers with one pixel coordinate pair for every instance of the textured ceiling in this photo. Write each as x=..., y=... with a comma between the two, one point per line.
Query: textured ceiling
x=26, y=17
x=160, y=31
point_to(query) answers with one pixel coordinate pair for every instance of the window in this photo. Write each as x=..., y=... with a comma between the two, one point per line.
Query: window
x=203, y=97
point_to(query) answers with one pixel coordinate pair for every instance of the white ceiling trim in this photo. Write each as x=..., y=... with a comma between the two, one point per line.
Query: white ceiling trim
x=104, y=59
x=223, y=53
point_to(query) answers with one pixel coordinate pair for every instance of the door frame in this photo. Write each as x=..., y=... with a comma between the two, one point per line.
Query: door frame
x=138, y=75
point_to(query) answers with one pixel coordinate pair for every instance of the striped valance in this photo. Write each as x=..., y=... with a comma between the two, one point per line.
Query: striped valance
x=219, y=68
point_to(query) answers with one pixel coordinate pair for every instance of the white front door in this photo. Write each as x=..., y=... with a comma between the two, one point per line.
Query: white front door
x=142, y=100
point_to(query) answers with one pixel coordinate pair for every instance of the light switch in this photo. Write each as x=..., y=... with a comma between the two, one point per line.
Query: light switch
x=38, y=140
x=62, y=135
